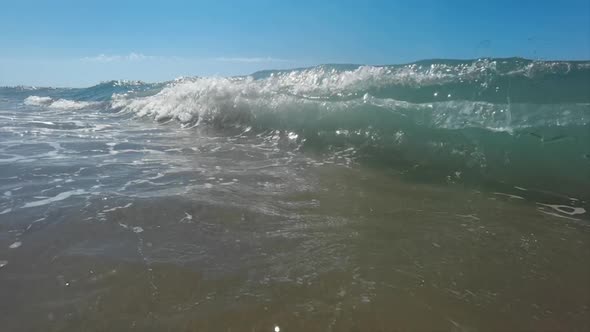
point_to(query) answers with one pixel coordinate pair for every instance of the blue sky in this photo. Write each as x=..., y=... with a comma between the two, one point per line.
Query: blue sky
x=79, y=43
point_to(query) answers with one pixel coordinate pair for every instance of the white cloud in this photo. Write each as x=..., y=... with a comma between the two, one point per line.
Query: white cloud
x=250, y=60
x=117, y=58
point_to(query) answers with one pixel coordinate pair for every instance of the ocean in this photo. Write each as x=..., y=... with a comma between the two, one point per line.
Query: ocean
x=447, y=195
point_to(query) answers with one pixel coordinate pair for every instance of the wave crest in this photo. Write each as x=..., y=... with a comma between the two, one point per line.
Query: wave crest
x=304, y=98
x=61, y=104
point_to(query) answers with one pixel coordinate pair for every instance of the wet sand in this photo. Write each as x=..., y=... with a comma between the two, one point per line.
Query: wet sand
x=346, y=249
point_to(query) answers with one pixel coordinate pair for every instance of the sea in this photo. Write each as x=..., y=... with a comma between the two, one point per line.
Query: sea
x=440, y=195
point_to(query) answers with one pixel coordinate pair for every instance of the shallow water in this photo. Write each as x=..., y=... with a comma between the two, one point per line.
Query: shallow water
x=112, y=222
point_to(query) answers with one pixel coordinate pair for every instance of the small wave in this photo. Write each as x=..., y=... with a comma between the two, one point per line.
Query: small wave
x=61, y=104
x=38, y=101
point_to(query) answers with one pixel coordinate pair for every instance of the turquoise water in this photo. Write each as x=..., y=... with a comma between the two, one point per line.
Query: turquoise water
x=438, y=195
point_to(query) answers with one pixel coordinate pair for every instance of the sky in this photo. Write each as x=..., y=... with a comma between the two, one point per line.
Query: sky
x=80, y=43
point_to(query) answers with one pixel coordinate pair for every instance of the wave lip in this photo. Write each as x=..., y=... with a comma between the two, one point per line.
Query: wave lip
x=494, y=94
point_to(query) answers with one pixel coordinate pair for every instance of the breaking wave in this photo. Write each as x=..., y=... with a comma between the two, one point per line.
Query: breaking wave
x=62, y=104
x=513, y=120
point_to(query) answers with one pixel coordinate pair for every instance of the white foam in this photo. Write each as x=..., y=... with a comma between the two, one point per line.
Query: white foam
x=566, y=209
x=509, y=195
x=97, y=128
x=70, y=105
x=6, y=211
x=61, y=104
x=15, y=245
x=157, y=176
x=118, y=207
x=44, y=122
x=59, y=197
x=237, y=100
x=468, y=216
x=135, y=229
x=3, y=263
x=203, y=98
x=188, y=218
x=557, y=215
x=141, y=181
x=38, y=101
x=34, y=222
